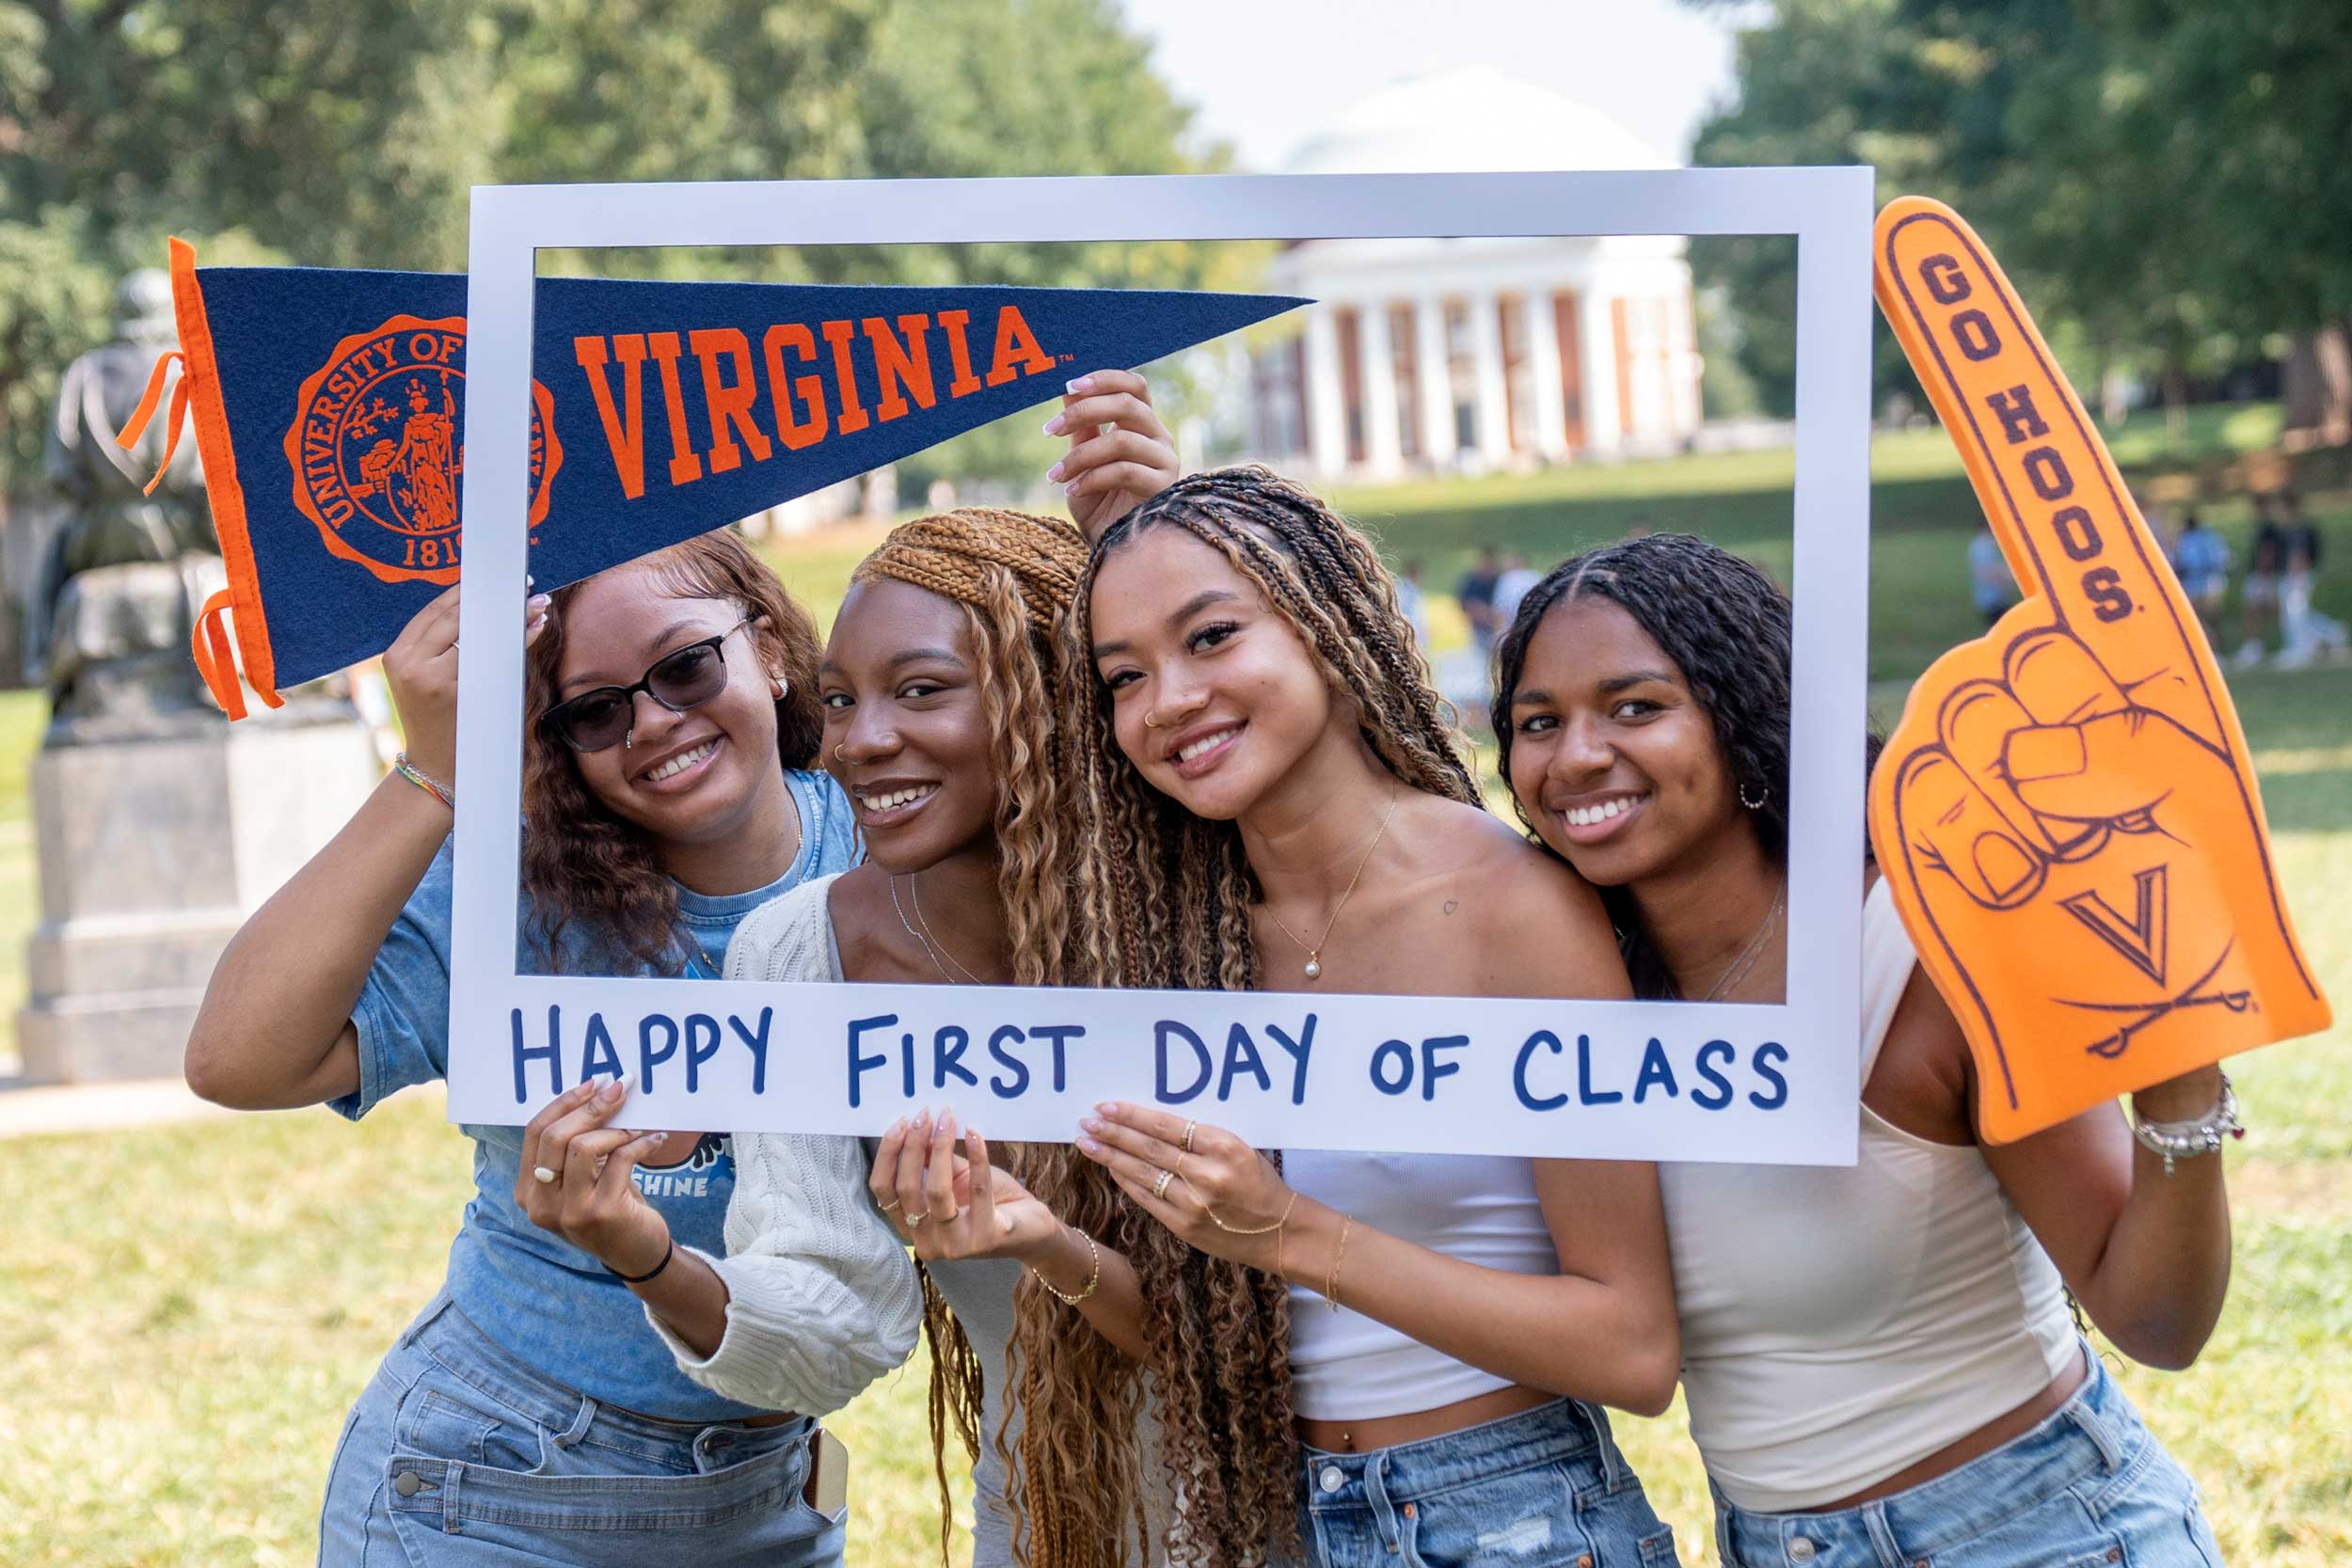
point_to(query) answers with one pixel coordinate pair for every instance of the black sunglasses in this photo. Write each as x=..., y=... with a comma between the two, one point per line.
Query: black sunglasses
x=684, y=678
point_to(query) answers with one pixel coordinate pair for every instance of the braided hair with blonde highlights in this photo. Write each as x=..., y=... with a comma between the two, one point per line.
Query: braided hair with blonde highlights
x=1016, y=576
x=1163, y=899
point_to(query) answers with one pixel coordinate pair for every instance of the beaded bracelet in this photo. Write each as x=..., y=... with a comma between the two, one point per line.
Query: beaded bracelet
x=2199, y=1135
x=407, y=770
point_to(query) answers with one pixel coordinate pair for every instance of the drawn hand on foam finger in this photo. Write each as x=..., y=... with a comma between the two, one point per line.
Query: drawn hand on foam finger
x=2066, y=814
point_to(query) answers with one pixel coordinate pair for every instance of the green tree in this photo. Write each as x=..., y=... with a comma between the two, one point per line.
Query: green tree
x=349, y=135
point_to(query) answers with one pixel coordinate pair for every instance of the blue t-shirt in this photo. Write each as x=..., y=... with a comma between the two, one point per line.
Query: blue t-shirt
x=552, y=1305
x=2201, y=557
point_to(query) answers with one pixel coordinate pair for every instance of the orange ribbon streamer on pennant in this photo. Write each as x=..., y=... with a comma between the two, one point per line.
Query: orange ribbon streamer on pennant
x=129, y=436
x=2067, y=814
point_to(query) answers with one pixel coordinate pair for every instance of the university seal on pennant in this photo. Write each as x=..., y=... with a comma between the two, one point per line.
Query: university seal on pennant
x=377, y=446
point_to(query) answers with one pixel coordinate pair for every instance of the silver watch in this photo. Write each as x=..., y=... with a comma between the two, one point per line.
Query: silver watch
x=2200, y=1135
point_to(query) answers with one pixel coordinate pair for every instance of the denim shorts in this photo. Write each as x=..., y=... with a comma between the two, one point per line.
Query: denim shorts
x=1547, y=1486
x=458, y=1454
x=2091, y=1488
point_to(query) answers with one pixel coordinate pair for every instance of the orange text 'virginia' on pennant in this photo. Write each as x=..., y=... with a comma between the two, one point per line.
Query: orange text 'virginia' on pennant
x=2067, y=814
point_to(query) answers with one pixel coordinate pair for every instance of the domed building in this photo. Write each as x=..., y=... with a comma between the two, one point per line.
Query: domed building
x=1434, y=353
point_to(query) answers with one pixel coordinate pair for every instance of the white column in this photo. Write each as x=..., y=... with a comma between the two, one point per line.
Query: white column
x=1493, y=419
x=1435, y=376
x=1327, y=409
x=1598, y=325
x=1384, y=451
x=1542, y=361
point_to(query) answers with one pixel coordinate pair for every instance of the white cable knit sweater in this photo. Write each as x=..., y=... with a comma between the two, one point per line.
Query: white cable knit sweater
x=821, y=1296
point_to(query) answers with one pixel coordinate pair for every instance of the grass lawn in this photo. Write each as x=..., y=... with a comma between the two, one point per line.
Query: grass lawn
x=186, y=1313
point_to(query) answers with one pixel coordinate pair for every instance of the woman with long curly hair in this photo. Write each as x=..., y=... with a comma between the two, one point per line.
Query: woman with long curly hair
x=940, y=685
x=1351, y=1356
x=530, y=1413
x=1880, y=1359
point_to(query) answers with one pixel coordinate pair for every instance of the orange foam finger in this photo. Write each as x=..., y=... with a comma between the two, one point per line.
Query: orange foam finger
x=2154, y=938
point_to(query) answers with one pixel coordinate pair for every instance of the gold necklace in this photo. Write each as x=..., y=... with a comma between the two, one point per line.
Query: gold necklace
x=1314, y=954
x=1738, y=969
x=914, y=885
x=923, y=941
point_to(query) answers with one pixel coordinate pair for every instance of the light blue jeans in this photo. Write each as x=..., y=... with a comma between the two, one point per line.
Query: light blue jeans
x=459, y=1456
x=2089, y=1487
x=1545, y=1487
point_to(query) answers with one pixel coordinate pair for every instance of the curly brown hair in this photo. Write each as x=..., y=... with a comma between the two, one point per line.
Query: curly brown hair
x=1163, y=899
x=584, y=867
x=1016, y=578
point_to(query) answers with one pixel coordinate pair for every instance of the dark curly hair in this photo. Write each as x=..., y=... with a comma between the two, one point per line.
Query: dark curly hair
x=1726, y=626
x=583, y=865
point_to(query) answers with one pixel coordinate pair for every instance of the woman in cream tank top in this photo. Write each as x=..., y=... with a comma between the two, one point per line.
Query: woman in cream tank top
x=1880, y=1360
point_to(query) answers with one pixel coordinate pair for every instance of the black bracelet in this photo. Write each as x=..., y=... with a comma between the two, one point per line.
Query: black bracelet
x=641, y=1279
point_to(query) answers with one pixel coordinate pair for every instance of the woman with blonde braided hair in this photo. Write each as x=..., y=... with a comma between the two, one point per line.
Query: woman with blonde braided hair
x=1355, y=1356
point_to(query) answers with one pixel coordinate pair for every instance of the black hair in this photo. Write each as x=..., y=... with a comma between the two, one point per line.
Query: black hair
x=1726, y=626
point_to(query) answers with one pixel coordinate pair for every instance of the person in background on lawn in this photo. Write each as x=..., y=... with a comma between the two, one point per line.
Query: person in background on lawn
x=2201, y=559
x=2305, y=632
x=1991, y=588
x=2258, y=595
x=530, y=1413
x=1475, y=594
x=1512, y=586
x=1414, y=601
x=1880, y=1360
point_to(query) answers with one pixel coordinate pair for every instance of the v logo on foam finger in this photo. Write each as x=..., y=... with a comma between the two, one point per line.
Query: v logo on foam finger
x=2067, y=814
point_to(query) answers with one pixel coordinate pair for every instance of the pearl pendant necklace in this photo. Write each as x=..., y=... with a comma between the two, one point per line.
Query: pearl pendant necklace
x=1314, y=954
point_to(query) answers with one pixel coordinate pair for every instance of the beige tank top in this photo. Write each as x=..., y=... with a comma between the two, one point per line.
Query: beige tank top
x=1840, y=1324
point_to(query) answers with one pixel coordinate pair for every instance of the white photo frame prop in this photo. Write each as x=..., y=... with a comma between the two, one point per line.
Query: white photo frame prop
x=1419, y=1074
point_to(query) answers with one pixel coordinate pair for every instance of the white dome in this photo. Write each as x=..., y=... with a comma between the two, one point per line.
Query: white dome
x=1473, y=120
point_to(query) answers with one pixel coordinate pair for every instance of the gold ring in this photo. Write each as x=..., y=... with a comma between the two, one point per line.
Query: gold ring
x=1190, y=1128
x=1159, y=1188
x=917, y=1219
x=887, y=1207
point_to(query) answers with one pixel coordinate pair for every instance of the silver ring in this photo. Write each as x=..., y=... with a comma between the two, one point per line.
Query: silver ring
x=542, y=1173
x=1159, y=1188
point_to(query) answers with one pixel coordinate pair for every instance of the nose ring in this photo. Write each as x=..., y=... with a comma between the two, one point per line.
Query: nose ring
x=839, y=757
x=1149, y=722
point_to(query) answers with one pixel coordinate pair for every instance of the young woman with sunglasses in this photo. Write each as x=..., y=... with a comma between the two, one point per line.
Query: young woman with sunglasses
x=530, y=1413
x=1879, y=1358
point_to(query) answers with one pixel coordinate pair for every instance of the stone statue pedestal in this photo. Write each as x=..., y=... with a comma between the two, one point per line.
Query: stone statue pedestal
x=153, y=852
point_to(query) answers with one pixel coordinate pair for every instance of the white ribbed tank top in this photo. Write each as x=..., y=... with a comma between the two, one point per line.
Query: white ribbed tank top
x=1840, y=1324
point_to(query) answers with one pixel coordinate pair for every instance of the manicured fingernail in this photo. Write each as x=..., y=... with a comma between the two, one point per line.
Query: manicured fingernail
x=1054, y=473
x=1089, y=1146
x=1090, y=1124
x=1108, y=1107
x=1053, y=426
x=537, y=601
x=1082, y=383
x=659, y=1138
x=923, y=1121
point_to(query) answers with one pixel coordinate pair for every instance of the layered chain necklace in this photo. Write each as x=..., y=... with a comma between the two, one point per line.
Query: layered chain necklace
x=1314, y=954
x=1738, y=969
x=927, y=937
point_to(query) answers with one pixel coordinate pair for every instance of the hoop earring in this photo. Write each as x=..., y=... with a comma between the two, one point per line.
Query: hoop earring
x=1762, y=795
